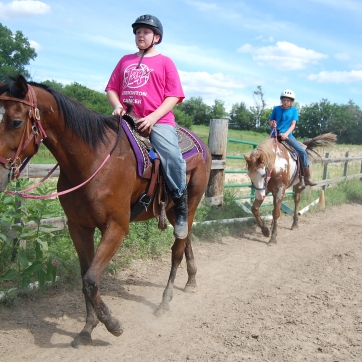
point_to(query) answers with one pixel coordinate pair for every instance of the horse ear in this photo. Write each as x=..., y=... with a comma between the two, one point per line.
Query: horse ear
x=260, y=160
x=247, y=159
x=21, y=86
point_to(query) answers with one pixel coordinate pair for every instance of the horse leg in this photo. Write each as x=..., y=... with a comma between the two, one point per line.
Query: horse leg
x=297, y=192
x=177, y=254
x=92, y=266
x=255, y=210
x=84, y=245
x=278, y=196
x=190, y=286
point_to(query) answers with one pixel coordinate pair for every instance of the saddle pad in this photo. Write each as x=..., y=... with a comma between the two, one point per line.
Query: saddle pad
x=189, y=143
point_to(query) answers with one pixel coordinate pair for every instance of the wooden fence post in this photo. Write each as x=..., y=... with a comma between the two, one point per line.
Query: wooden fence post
x=345, y=170
x=325, y=170
x=217, y=143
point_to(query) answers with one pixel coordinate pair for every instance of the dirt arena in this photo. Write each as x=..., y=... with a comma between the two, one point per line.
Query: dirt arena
x=300, y=300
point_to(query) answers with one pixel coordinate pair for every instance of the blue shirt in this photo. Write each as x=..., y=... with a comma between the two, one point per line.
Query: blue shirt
x=284, y=118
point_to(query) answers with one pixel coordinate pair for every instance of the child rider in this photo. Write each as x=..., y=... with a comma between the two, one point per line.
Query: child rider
x=150, y=81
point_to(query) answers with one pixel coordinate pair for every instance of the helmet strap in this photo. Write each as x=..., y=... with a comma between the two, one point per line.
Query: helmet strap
x=145, y=51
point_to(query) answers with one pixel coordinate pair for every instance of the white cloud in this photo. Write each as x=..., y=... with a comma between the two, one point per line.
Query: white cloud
x=337, y=77
x=16, y=9
x=342, y=56
x=283, y=55
x=35, y=45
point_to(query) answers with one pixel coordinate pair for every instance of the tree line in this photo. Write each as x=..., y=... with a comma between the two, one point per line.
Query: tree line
x=345, y=120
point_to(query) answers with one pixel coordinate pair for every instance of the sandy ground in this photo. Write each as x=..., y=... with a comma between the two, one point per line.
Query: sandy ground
x=300, y=300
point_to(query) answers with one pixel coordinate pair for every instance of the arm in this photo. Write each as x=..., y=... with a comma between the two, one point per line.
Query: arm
x=285, y=135
x=114, y=101
x=146, y=123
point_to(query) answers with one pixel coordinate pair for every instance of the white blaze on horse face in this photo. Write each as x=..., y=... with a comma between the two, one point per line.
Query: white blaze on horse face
x=258, y=179
x=2, y=112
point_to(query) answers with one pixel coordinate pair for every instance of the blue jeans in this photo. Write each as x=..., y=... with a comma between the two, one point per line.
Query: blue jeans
x=301, y=151
x=165, y=142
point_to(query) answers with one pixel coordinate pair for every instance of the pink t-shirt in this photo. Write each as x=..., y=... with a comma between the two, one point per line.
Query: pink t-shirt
x=148, y=86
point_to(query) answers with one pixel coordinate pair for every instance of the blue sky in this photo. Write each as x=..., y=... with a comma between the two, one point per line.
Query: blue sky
x=223, y=49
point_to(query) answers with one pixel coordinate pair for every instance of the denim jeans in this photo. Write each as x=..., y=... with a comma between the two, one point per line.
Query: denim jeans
x=165, y=142
x=301, y=151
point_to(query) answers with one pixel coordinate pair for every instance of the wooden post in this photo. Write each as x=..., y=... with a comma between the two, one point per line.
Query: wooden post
x=217, y=144
x=325, y=169
x=345, y=170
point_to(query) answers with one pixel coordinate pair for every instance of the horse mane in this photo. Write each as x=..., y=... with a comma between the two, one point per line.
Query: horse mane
x=90, y=126
x=264, y=152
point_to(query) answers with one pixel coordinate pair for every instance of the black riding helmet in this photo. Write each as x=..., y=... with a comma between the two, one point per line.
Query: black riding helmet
x=149, y=21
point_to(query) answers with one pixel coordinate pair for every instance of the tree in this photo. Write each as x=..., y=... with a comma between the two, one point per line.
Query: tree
x=182, y=118
x=15, y=53
x=315, y=119
x=217, y=110
x=241, y=118
x=197, y=109
x=260, y=105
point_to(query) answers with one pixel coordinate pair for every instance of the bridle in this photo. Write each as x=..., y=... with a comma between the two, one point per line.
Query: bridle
x=32, y=130
x=266, y=180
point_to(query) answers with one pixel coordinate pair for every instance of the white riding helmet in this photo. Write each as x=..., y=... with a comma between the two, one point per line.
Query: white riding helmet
x=288, y=93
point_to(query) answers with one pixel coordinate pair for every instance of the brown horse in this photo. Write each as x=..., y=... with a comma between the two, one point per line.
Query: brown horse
x=272, y=168
x=80, y=139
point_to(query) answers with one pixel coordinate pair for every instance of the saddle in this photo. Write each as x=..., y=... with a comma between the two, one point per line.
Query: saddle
x=149, y=167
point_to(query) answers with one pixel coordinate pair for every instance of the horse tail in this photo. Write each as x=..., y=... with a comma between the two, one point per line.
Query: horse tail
x=323, y=140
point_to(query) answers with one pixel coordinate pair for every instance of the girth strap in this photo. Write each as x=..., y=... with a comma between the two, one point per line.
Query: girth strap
x=147, y=197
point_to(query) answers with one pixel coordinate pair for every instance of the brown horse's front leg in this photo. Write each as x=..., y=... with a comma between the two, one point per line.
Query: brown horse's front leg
x=85, y=336
x=177, y=255
x=297, y=192
x=92, y=266
x=255, y=210
x=83, y=242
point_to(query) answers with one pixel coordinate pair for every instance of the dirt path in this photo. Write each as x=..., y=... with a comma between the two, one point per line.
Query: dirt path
x=298, y=301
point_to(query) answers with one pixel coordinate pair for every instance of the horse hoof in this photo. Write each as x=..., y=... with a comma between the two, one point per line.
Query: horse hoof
x=162, y=309
x=116, y=328
x=265, y=232
x=272, y=241
x=189, y=288
x=82, y=339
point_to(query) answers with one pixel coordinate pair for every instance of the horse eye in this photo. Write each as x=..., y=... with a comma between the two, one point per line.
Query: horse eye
x=16, y=123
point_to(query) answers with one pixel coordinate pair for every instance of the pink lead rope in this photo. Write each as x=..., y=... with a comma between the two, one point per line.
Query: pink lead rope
x=24, y=195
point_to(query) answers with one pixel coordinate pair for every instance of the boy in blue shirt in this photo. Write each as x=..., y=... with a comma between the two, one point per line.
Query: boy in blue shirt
x=284, y=118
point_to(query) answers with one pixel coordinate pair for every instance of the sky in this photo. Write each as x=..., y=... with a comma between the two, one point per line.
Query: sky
x=223, y=49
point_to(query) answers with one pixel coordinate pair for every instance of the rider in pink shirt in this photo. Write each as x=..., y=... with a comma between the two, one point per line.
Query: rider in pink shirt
x=150, y=82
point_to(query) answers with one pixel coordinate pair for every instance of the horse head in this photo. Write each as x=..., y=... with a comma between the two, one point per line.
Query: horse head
x=257, y=173
x=20, y=130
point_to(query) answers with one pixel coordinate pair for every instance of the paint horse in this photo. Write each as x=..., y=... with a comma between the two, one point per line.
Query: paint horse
x=273, y=169
x=81, y=141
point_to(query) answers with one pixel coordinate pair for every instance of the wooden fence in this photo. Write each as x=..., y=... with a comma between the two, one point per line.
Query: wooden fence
x=215, y=190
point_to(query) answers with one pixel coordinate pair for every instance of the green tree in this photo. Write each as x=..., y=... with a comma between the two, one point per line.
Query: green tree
x=217, y=110
x=182, y=118
x=90, y=98
x=197, y=109
x=15, y=53
x=241, y=118
x=260, y=104
x=315, y=119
